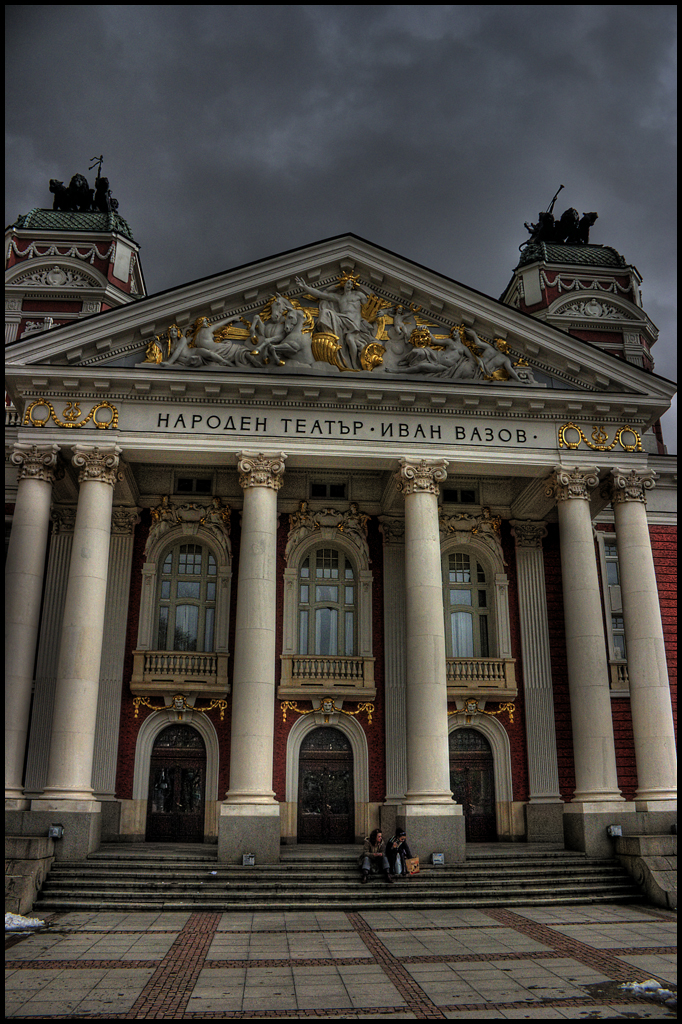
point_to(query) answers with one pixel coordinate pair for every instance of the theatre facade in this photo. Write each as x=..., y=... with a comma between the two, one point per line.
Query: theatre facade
x=330, y=542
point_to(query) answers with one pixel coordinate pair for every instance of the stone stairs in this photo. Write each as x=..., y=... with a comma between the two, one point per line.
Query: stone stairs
x=171, y=877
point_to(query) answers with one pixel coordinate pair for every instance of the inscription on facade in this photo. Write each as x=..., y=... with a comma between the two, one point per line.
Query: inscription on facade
x=373, y=427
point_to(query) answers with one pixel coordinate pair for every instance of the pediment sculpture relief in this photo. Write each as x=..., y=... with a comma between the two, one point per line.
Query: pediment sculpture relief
x=349, y=328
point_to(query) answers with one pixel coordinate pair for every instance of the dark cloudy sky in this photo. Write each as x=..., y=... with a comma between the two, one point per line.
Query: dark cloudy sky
x=231, y=133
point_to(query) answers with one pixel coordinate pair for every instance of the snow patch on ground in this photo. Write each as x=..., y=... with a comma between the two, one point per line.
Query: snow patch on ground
x=17, y=923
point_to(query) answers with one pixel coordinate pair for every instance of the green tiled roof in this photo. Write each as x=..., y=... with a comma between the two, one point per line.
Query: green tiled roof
x=56, y=220
x=583, y=255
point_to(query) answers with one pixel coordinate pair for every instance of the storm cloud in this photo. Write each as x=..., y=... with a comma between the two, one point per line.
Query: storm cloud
x=231, y=133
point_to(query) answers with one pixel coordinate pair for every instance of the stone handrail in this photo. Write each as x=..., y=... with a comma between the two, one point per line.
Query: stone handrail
x=482, y=676
x=166, y=671
x=301, y=673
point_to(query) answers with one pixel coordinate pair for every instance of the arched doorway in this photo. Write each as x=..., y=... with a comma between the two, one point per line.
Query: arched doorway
x=326, y=811
x=177, y=782
x=472, y=781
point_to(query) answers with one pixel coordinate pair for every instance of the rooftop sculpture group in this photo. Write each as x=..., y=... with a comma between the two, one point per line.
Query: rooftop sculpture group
x=570, y=229
x=78, y=197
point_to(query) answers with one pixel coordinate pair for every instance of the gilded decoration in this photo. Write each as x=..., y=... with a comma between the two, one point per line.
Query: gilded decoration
x=486, y=526
x=179, y=704
x=327, y=522
x=600, y=439
x=327, y=707
x=72, y=415
x=472, y=708
x=344, y=325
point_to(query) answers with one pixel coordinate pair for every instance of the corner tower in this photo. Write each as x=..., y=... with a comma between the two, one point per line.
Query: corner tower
x=589, y=291
x=73, y=261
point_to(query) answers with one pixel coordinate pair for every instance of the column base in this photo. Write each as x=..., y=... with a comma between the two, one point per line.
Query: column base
x=544, y=823
x=249, y=828
x=585, y=825
x=82, y=827
x=436, y=828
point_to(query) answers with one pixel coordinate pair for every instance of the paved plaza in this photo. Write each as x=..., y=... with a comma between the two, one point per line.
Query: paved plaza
x=558, y=962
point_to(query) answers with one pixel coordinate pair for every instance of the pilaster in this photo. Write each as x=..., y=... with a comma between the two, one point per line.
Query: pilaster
x=393, y=530
x=544, y=811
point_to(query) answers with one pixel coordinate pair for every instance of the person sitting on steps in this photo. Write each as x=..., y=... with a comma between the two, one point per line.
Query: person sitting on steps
x=374, y=856
x=397, y=851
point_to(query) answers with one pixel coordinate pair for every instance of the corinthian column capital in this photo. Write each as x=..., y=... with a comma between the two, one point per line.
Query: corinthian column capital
x=567, y=483
x=528, y=534
x=421, y=475
x=36, y=461
x=629, y=485
x=260, y=470
x=96, y=462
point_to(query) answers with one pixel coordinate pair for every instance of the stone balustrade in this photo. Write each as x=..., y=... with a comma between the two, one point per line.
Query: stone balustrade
x=155, y=671
x=481, y=677
x=303, y=675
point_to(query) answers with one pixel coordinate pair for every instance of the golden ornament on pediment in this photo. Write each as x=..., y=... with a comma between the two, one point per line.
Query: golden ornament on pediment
x=600, y=438
x=71, y=413
x=372, y=355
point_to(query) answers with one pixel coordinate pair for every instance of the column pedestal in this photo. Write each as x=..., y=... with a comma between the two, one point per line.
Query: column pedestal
x=249, y=817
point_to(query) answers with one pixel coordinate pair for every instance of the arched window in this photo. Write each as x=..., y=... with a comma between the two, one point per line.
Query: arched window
x=327, y=603
x=468, y=606
x=187, y=599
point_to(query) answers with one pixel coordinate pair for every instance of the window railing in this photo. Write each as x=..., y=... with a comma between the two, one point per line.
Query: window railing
x=485, y=677
x=302, y=675
x=161, y=671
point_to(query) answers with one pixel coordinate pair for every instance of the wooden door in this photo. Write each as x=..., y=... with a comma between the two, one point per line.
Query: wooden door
x=326, y=807
x=177, y=779
x=472, y=781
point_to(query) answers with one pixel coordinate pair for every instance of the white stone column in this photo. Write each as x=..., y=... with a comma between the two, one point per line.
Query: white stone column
x=652, y=720
x=433, y=822
x=544, y=810
x=596, y=793
x=24, y=584
x=69, y=789
x=249, y=821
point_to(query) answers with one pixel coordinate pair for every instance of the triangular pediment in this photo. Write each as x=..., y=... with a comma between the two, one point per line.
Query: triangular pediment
x=341, y=311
